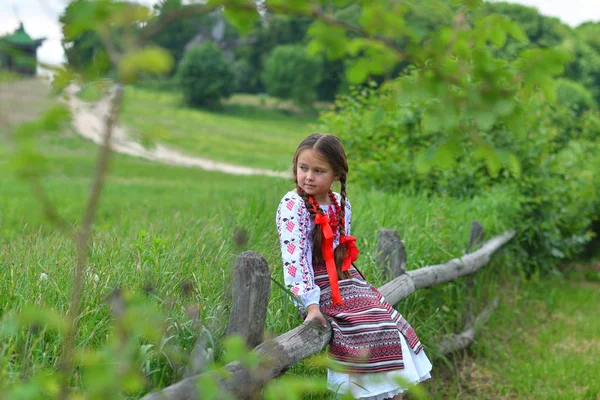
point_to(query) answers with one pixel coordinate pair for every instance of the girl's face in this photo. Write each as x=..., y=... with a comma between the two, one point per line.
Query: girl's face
x=315, y=175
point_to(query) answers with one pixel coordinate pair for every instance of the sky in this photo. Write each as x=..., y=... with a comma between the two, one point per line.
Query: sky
x=40, y=18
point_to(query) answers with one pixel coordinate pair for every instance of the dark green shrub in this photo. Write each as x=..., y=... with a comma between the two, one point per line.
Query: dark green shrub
x=205, y=76
x=243, y=75
x=552, y=164
x=574, y=95
x=290, y=73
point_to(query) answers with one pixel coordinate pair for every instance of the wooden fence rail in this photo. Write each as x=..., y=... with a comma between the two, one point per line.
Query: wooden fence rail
x=278, y=354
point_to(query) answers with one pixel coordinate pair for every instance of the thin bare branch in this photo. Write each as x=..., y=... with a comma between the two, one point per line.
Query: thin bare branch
x=82, y=237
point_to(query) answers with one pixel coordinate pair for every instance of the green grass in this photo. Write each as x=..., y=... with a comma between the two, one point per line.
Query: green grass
x=161, y=228
x=240, y=133
x=542, y=343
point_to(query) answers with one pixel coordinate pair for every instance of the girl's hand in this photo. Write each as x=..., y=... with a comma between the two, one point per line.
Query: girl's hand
x=314, y=314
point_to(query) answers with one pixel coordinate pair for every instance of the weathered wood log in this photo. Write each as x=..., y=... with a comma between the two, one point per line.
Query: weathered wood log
x=469, y=263
x=391, y=254
x=251, y=289
x=454, y=342
x=277, y=356
x=476, y=236
x=280, y=353
x=404, y=285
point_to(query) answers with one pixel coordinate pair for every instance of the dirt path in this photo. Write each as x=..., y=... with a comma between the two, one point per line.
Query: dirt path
x=88, y=121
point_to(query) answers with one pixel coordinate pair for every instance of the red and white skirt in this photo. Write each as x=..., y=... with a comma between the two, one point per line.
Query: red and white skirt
x=372, y=343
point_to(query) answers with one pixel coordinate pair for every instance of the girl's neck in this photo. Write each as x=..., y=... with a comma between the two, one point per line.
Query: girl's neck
x=324, y=202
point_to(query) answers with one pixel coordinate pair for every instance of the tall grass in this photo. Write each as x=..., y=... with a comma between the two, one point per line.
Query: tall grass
x=160, y=228
x=168, y=234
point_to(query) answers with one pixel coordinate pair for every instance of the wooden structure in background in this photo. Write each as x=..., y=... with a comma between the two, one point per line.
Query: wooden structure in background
x=18, y=52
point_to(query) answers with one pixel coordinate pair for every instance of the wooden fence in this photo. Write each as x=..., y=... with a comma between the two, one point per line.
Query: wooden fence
x=249, y=309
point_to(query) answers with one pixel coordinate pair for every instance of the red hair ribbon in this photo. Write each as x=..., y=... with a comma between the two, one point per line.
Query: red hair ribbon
x=327, y=250
x=351, y=251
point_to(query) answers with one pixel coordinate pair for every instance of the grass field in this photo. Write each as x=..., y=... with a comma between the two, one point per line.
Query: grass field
x=160, y=229
x=542, y=343
x=246, y=130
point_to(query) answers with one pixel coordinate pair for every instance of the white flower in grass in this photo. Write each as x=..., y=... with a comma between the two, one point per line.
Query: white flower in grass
x=95, y=277
x=43, y=276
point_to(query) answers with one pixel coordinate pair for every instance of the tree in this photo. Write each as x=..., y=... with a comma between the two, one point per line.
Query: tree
x=280, y=30
x=205, y=75
x=176, y=35
x=84, y=50
x=574, y=95
x=188, y=31
x=290, y=73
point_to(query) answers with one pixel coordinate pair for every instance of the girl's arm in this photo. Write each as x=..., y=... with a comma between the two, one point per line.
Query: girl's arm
x=293, y=222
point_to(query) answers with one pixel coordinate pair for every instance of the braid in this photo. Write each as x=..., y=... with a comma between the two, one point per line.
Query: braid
x=317, y=236
x=340, y=251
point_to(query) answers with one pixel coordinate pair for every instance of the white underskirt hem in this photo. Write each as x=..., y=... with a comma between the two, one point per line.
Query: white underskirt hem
x=382, y=385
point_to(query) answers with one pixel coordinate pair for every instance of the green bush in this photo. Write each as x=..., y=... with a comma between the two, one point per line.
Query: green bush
x=290, y=73
x=205, y=76
x=574, y=95
x=243, y=75
x=552, y=165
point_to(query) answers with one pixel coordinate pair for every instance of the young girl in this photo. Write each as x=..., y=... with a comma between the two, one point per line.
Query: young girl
x=373, y=344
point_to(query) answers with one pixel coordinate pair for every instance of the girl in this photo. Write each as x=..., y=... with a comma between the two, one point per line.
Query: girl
x=373, y=344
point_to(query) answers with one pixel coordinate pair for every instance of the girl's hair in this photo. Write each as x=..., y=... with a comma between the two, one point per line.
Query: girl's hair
x=331, y=149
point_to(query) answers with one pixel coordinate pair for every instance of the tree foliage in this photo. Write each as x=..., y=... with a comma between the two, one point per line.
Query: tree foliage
x=291, y=73
x=575, y=96
x=178, y=34
x=205, y=76
x=468, y=114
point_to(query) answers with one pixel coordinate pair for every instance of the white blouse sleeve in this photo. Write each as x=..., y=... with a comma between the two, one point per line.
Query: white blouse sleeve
x=293, y=224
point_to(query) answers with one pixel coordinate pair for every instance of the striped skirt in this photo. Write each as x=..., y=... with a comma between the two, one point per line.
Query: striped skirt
x=366, y=328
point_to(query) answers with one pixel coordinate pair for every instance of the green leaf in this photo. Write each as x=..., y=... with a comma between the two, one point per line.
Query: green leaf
x=423, y=161
x=152, y=60
x=208, y=388
x=244, y=20
x=55, y=118
x=485, y=119
x=35, y=316
x=515, y=30
x=358, y=71
x=62, y=78
x=446, y=154
x=548, y=87
x=514, y=165
x=355, y=46
x=490, y=157
x=332, y=40
x=498, y=37
x=439, y=117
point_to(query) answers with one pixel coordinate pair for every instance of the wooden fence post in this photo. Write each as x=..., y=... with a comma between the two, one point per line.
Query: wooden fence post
x=250, y=297
x=476, y=236
x=391, y=254
x=280, y=353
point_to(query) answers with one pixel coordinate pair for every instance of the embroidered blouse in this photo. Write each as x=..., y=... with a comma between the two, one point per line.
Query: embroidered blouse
x=294, y=227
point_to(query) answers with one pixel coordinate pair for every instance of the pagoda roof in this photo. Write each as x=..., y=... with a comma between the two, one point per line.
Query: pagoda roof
x=22, y=38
